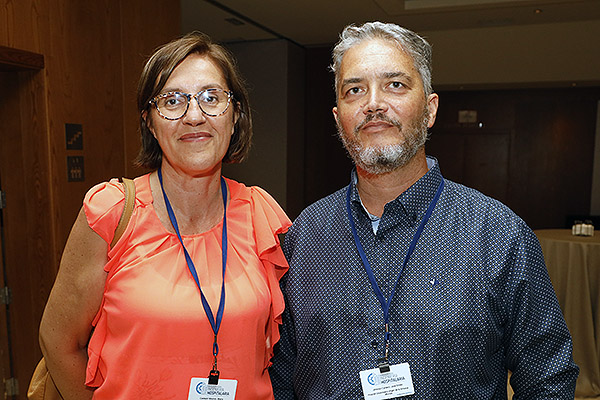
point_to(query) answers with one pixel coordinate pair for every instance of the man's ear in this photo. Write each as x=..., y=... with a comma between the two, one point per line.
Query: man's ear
x=432, y=104
x=335, y=115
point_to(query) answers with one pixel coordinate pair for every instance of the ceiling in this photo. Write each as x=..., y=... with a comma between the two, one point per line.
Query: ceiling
x=318, y=22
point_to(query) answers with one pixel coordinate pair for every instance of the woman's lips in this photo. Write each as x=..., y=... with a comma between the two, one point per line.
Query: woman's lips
x=196, y=136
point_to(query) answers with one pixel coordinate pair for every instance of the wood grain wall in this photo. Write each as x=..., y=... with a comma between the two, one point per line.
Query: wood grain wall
x=532, y=149
x=93, y=54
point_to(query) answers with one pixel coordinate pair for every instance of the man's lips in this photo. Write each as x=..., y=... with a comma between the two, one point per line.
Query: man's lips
x=377, y=122
x=375, y=125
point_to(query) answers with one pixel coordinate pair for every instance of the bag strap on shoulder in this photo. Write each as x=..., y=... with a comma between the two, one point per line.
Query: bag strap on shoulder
x=129, y=187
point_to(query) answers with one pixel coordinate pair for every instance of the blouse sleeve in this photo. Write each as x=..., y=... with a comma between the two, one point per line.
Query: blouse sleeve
x=103, y=205
x=269, y=221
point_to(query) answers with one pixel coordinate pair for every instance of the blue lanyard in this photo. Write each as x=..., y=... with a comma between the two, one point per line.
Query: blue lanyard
x=385, y=305
x=214, y=324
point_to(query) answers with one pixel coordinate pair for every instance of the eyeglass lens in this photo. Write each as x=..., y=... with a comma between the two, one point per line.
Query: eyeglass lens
x=173, y=105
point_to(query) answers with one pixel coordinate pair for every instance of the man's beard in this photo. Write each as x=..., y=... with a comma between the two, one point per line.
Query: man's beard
x=378, y=160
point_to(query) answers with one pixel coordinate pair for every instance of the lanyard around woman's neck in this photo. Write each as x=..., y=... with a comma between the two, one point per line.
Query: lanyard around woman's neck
x=385, y=304
x=215, y=324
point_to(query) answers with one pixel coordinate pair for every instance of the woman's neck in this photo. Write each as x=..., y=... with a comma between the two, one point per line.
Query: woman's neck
x=196, y=200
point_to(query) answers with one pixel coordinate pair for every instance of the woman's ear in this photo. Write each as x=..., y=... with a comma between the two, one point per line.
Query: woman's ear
x=236, y=112
x=236, y=115
x=147, y=120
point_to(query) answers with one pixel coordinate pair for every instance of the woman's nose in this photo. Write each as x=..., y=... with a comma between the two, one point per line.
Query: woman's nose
x=194, y=114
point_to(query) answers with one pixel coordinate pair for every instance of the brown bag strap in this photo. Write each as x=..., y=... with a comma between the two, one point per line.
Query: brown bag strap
x=129, y=187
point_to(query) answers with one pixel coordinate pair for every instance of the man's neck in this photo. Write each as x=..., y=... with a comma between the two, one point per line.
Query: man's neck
x=378, y=190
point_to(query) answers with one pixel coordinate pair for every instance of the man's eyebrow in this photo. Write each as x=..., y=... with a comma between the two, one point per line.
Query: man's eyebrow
x=383, y=75
x=350, y=81
x=389, y=75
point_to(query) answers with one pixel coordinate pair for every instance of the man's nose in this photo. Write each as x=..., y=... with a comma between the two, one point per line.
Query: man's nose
x=376, y=102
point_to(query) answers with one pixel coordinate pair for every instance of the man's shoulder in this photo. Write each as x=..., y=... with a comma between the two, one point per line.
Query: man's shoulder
x=326, y=206
x=319, y=222
x=467, y=200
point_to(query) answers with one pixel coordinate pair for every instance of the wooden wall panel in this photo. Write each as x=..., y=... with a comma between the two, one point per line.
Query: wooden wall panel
x=23, y=24
x=475, y=159
x=93, y=54
x=159, y=24
x=31, y=286
x=554, y=138
x=533, y=151
x=27, y=222
x=10, y=150
x=84, y=87
x=5, y=348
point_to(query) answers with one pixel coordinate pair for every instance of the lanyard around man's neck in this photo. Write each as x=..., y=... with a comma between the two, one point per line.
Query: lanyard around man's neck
x=385, y=305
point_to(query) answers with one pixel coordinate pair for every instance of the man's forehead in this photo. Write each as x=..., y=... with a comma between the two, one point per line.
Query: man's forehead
x=374, y=45
x=376, y=57
x=368, y=50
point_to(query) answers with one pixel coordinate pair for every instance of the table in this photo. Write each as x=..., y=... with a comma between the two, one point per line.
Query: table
x=573, y=263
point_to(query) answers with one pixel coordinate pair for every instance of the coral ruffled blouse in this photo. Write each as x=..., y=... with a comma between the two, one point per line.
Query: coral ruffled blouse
x=151, y=333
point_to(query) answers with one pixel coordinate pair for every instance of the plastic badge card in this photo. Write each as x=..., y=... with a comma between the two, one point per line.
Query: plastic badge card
x=201, y=390
x=387, y=385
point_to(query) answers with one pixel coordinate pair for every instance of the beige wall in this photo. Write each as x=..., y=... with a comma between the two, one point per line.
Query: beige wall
x=274, y=73
x=545, y=54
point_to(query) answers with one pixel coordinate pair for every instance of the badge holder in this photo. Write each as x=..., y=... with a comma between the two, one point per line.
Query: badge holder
x=382, y=363
x=213, y=376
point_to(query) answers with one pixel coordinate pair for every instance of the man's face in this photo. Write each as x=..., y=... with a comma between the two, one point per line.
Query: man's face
x=382, y=113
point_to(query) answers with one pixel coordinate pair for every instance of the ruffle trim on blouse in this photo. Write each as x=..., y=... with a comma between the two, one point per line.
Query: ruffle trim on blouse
x=269, y=220
x=95, y=372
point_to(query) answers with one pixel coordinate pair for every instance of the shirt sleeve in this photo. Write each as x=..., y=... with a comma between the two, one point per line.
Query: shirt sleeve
x=539, y=345
x=103, y=205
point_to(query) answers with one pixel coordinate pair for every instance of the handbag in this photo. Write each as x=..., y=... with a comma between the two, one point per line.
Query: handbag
x=42, y=386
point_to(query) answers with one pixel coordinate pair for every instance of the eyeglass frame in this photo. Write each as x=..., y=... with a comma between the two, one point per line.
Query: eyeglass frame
x=189, y=99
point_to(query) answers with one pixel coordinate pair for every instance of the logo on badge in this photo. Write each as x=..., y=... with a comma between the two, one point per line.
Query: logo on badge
x=373, y=379
x=201, y=388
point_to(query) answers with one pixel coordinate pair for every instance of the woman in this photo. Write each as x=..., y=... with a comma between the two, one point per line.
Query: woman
x=170, y=304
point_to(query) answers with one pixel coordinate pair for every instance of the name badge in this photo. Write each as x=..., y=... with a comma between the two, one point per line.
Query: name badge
x=387, y=385
x=201, y=390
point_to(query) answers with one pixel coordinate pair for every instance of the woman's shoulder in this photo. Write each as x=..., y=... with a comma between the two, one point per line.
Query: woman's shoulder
x=104, y=202
x=110, y=192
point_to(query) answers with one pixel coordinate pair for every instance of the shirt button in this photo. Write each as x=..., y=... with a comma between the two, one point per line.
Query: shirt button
x=374, y=344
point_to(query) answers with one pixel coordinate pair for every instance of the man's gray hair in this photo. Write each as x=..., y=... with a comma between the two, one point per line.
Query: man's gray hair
x=416, y=46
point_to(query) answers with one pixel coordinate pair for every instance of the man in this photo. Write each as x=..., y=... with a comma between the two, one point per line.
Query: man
x=404, y=283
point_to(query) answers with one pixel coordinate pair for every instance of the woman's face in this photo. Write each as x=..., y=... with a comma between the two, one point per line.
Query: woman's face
x=196, y=143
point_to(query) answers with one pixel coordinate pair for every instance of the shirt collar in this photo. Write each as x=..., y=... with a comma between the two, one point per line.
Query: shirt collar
x=415, y=200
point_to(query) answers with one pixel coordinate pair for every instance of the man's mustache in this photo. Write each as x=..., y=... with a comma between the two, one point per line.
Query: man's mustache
x=377, y=117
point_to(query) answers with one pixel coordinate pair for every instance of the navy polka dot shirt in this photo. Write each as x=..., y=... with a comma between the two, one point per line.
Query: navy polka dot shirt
x=473, y=302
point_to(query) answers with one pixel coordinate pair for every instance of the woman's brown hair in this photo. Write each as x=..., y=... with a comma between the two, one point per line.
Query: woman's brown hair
x=157, y=71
